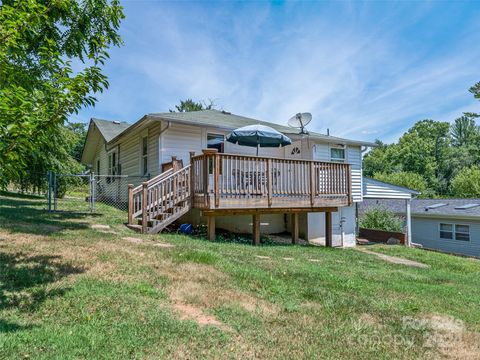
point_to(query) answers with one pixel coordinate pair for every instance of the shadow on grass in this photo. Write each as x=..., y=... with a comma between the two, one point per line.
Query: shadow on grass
x=25, y=282
x=25, y=214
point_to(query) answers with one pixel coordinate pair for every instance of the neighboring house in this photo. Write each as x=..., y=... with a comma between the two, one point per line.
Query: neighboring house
x=240, y=184
x=449, y=225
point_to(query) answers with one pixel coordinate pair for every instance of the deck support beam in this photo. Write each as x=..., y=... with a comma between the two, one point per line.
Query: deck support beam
x=211, y=228
x=295, y=228
x=256, y=228
x=328, y=229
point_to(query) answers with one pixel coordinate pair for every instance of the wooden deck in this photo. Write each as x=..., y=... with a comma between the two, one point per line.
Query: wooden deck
x=227, y=184
x=233, y=182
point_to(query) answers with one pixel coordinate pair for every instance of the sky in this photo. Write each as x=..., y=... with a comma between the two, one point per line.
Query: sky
x=365, y=70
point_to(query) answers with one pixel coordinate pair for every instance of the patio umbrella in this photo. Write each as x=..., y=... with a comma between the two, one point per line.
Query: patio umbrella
x=258, y=136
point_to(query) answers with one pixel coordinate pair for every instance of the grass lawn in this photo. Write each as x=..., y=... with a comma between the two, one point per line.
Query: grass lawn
x=68, y=290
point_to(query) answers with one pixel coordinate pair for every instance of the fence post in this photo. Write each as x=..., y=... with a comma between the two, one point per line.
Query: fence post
x=130, y=204
x=55, y=192
x=50, y=190
x=92, y=192
x=144, y=207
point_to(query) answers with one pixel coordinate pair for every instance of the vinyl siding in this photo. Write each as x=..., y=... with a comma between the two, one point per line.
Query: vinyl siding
x=425, y=231
x=353, y=154
x=375, y=189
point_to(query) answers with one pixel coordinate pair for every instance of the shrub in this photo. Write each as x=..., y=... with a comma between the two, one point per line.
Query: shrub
x=381, y=219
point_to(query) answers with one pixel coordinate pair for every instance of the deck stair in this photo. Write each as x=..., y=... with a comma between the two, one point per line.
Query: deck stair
x=157, y=203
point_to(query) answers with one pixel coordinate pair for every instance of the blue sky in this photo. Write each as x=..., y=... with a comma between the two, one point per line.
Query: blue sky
x=364, y=70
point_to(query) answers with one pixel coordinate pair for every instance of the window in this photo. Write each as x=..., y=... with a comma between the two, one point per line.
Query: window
x=112, y=166
x=144, y=156
x=98, y=167
x=337, y=154
x=462, y=232
x=295, y=151
x=446, y=231
x=215, y=141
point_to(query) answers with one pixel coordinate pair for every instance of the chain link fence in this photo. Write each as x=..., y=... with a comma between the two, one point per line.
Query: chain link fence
x=89, y=192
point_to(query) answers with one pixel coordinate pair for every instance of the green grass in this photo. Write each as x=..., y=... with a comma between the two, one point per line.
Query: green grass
x=69, y=291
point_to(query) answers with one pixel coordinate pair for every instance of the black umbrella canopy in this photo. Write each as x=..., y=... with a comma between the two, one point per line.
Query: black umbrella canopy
x=258, y=136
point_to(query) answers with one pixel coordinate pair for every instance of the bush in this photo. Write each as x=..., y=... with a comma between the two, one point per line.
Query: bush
x=381, y=219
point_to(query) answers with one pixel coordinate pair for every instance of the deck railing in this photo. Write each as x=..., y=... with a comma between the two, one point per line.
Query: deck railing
x=237, y=181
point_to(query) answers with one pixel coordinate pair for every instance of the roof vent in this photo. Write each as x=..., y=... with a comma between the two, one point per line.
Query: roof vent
x=116, y=122
x=226, y=112
x=466, y=206
x=435, y=206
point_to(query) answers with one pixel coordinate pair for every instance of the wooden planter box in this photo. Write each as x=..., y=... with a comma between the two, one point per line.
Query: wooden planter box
x=381, y=236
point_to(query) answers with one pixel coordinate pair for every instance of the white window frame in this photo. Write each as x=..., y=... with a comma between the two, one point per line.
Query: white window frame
x=452, y=231
x=112, y=169
x=338, y=160
x=461, y=232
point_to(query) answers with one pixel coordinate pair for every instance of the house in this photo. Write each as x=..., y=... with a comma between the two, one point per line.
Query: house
x=316, y=180
x=448, y=225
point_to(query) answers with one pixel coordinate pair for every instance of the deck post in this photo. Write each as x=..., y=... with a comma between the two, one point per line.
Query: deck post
x=174, y=163
x=312, y=183
x=216, y=176
x=256, y=228
x=208, y=156
x=144, y=207
x=269, y=182
x=192, y=177
x=130, y=204
x=211, y=227
x=295, y=228
x=328, y=229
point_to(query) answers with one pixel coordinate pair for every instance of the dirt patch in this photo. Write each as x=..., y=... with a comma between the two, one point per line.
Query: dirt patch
x=192, y=312
x=395, y=259
x=100, y=227
x=133, y=240
x=163, y=245
x=450, y=339
x=205, y=287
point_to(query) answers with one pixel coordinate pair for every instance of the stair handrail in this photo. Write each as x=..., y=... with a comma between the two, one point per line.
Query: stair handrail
x=153, y=180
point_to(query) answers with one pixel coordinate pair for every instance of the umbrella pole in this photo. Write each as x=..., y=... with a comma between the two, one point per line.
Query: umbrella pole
x=257, y=149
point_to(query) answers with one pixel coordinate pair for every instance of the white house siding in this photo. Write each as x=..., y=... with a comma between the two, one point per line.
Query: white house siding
x=375, y=189
x=179, y=140
x=130, y=156
x=425, y=231
x=343, y=221
x=100, y=154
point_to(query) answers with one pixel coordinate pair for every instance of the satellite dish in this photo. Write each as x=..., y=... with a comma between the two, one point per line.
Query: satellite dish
x=299, y=121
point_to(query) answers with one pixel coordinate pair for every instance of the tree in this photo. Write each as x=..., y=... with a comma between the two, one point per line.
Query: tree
x=406, y=179
x=39, y=90
x=467, y=182
x=190, y=105
x=475, y=90
x=379, y=218
x=465, y=131
x=380, y=159
x=79, y=134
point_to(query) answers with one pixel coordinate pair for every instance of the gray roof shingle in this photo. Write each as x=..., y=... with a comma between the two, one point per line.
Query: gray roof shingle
x=110, y=129
x=229, y=121
x=419, y=206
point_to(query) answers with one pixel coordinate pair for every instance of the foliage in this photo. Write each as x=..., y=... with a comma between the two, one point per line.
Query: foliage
x=465, y=131
x=467, y=182
x=406, y=179
x=379, y=218
x=190, y=105
x=39, y=88
x=432, y=150
x=475, y=90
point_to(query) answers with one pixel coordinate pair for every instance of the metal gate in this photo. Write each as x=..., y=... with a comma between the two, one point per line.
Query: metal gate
x=88, y=193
